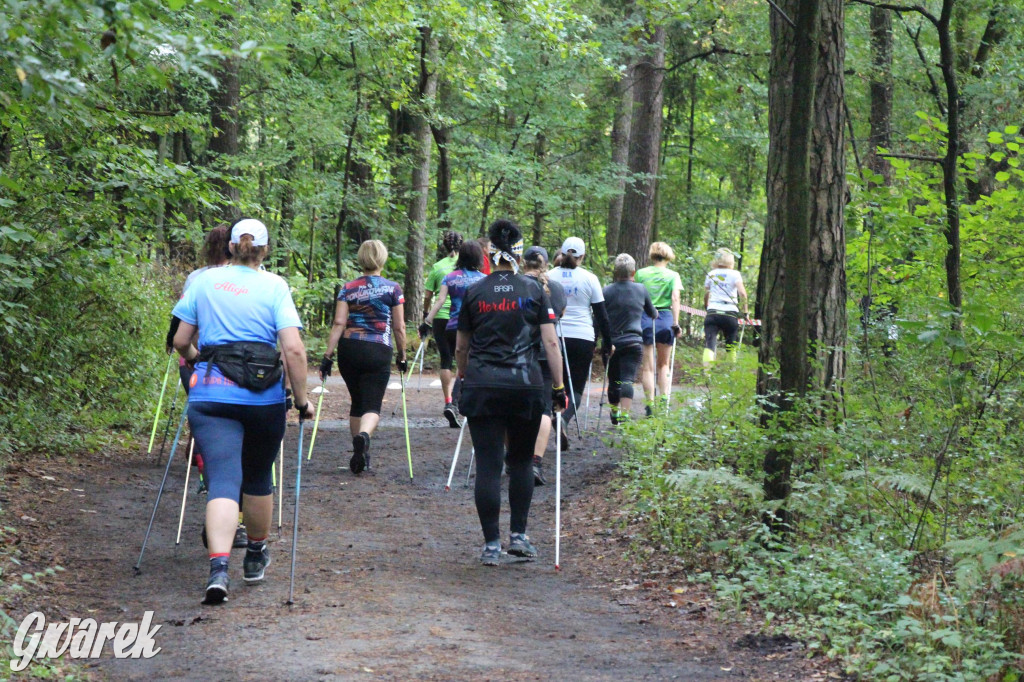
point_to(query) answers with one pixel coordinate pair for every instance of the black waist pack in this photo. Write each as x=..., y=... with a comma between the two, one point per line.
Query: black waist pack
x=252, y=365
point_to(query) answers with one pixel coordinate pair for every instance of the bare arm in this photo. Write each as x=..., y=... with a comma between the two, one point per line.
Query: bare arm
x=707, y=297
x=183, y=341
x=337, y=329
x=442, y=296
x=549, y=339
x=294, y=353
x=428, y=296
x=398, y=327
x=741, y=292
x=675, y=307
x=462, y=351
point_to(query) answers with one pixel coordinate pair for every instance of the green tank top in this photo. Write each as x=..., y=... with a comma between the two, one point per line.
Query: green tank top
x=434, y=278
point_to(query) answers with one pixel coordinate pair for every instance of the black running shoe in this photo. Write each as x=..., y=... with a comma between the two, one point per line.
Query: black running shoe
x=648, y=411
x=451, y=415
x=491, y=555
x=614, y=414
x=538, y=471
x=241, y=538
x=360, y=447
x=217, y=588
x=255, y=563
x=519, y=545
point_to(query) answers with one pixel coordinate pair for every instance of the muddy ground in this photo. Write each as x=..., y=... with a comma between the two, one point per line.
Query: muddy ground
x=388, y=583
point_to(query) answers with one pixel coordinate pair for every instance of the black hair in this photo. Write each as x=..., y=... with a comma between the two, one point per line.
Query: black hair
x=471, y=256
x=503, y=234
x=451, y=240
x=570, y=262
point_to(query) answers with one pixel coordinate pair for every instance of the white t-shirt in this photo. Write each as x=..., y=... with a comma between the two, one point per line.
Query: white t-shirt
x=722, y=284
x=582, y=289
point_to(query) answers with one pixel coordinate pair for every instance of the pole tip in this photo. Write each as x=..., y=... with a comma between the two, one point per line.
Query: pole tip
x=447, y=488
x=557, y=567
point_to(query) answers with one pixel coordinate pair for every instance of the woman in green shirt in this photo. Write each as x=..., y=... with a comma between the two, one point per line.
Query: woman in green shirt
x=451, y=240
x=664, y=286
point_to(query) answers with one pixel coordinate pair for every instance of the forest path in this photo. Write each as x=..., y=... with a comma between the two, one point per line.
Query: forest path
x=388, y=583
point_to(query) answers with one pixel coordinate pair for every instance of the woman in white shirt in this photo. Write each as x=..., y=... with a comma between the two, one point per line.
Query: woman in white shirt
x=724, y=293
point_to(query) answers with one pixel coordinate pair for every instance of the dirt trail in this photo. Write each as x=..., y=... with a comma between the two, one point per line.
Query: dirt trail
x=388, y=583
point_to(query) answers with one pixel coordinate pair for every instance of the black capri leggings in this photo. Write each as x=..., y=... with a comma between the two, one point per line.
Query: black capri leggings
x=239, y=445
x=445, y=343
x=366, y=368
x=579, y=354
x=488, y=434
x=622, y=369
x=718, y=322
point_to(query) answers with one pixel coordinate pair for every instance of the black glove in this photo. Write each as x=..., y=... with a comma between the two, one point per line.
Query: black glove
x=559, y=401
x=676, y=331
x=424, y=330
x=403, y=365
x=325, y=368
x=301, y=409
x=287, y=399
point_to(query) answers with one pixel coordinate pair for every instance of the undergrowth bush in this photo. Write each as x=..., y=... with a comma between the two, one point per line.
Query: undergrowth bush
x=906, y=556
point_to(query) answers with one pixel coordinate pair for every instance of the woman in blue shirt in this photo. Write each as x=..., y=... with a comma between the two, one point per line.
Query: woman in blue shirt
x=236, y=398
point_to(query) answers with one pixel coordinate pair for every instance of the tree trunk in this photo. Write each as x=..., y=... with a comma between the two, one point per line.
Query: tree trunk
x=540, y=150
x=621, y=125
x=881, y=93
x=224, y=143
x=420, y=184
x=947, y=63
x=644, y=148
x=443, y=190
x=802, y=280
x=287, y=209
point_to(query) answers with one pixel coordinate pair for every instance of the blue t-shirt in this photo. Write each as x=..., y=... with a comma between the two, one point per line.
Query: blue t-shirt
x=235, y=303
x=370, y=299
x=458, y=283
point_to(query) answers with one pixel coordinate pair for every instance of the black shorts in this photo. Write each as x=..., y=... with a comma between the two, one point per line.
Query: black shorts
x=716, y=322
x=517, y=403
x=366, y=368
x=445, y=346
x=622, y=370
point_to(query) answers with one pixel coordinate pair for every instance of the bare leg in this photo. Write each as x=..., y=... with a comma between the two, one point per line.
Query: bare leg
x=353, y=425
x=221, y=522
x=664, y=356
x=647, y=373
x=543, y=434
x=369, y=422
x=446, y=384
x=258, y=511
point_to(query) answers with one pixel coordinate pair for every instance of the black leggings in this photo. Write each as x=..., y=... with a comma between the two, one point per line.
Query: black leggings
x=445, y=345
x=366, y=368
x=579, y=354
x=489, y=434
x=622, y=369
x=717, y=322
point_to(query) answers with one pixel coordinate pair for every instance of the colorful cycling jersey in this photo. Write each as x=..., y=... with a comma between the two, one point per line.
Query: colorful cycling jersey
x=235, y=303
x=458, y=283
x=370, y=299
x=434, y=280
x=661, y=283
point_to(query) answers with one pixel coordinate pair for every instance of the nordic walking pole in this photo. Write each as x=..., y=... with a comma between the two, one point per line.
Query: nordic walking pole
x=405, y=418
x=600, y=404
x=280, y=487
x=558, y=495
x=159, y=404
x=671, y=371
x=420, y=354
x=572, y=393
x=295, y=519
x=586, y=410
x=167, y=428
x=184, y=493
x=316, y=423
x=458, y=446
x=472, y=458
x=160, y=492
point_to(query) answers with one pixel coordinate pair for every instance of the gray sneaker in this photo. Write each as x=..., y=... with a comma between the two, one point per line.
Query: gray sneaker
x=491, y=555
x=255, y=563
x=519, y=545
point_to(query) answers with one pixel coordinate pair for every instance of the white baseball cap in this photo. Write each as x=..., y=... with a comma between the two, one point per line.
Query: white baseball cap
x=253, y=227
x=574, y=246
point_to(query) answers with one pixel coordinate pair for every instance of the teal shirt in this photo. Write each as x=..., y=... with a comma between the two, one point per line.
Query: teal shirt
x=434, y=279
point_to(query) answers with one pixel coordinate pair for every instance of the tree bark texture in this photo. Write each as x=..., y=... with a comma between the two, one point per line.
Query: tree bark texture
x=422, y=143
x=621, y=125
x=224, y=143
x=881, y=93
x=443, y=190
x=540, y=150
x=947, y=63
x=825, y=285
x=644, y=148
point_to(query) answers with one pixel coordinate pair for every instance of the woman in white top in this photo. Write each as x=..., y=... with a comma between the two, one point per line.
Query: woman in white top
x=724, y=293
x=584, y=304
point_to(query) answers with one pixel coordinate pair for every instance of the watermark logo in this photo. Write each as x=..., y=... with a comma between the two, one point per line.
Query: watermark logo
x=82, y=638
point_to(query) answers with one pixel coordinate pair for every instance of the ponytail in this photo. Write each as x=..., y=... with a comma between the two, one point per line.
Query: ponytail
x=246, y=253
